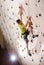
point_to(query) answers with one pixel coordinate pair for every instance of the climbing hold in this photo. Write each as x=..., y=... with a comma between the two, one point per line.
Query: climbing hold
x=35, y=51
x=35, y=4
x=43, y=34
x=24, y=57
x=32, y=59
x=4, y=0
x=7, y=9
x=13, y=13
x=9, y=17
x=38, y=0
x=41, y=57
x=14, y=23
x=11, y=7
x=31, y=40
x=39, y=25
x=36, y=16
x=40, y=61
x=39, y=14
x=36, y=26
x=12, y=0
x=26, y=3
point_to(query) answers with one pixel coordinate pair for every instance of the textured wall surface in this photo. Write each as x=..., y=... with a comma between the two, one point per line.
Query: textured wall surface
x=1, y=39
x=8, y=17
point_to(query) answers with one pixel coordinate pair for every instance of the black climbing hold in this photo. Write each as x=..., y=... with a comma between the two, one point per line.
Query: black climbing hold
x=31, y=40
x=29, y=53
x=35, y=51
x=40, y=61
x=38, y=0
x=41, y=57
x=36, y=26
x=43, y=34
x=12, y=0
x=42, y=50
x=26, y=3
x=35, y=36
x=36, y=16
x=39, y=14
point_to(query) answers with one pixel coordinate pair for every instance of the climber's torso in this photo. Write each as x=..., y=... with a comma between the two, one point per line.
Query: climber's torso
x=22, y=28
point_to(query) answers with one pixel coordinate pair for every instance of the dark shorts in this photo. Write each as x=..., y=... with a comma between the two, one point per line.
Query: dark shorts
x=25, y=37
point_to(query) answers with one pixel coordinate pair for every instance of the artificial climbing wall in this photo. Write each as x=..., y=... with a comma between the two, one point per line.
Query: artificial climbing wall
x=8, y=17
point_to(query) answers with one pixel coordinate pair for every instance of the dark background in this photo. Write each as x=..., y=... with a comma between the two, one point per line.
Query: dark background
x=4, y=58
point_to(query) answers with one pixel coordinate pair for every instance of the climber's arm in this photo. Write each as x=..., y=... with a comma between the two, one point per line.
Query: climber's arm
x=26, y=24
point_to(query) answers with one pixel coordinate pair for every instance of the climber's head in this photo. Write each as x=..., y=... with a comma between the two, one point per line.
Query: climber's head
x=18, y=21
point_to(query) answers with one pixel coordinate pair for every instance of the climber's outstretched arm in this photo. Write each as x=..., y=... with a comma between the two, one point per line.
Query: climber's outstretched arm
x=20, y=12
x=26, y=24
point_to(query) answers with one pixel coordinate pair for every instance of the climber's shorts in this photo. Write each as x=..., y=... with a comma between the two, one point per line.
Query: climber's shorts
x=24, y=35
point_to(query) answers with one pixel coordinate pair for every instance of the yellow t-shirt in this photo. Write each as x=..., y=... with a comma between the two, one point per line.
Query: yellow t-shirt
x=22, y=29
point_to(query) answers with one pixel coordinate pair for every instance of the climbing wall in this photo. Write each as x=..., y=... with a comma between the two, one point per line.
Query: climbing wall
x=9, y=27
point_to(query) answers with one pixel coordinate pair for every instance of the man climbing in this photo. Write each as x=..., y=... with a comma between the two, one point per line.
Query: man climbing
x=22, y=27
x=24, y=32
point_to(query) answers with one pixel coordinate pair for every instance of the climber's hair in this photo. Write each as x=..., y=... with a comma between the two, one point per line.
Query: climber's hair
x=18, y=21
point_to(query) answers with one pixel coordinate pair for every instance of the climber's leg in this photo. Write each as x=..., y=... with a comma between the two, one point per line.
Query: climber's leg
x=31, y=30
x=27, y=46
x=26, y=39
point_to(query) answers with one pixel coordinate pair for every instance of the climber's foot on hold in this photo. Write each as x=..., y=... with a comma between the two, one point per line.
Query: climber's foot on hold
x=29, y=53
x=35, y=36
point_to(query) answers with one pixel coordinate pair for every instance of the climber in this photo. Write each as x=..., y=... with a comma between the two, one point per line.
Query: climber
x=29, y=22
x=24, y=32
x=22, y=27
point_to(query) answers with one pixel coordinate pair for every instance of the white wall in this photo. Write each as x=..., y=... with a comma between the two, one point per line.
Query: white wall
x=8, y=17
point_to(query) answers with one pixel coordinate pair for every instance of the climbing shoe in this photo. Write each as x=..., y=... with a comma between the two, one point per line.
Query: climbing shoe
x=29, y=53
x=34, y=36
